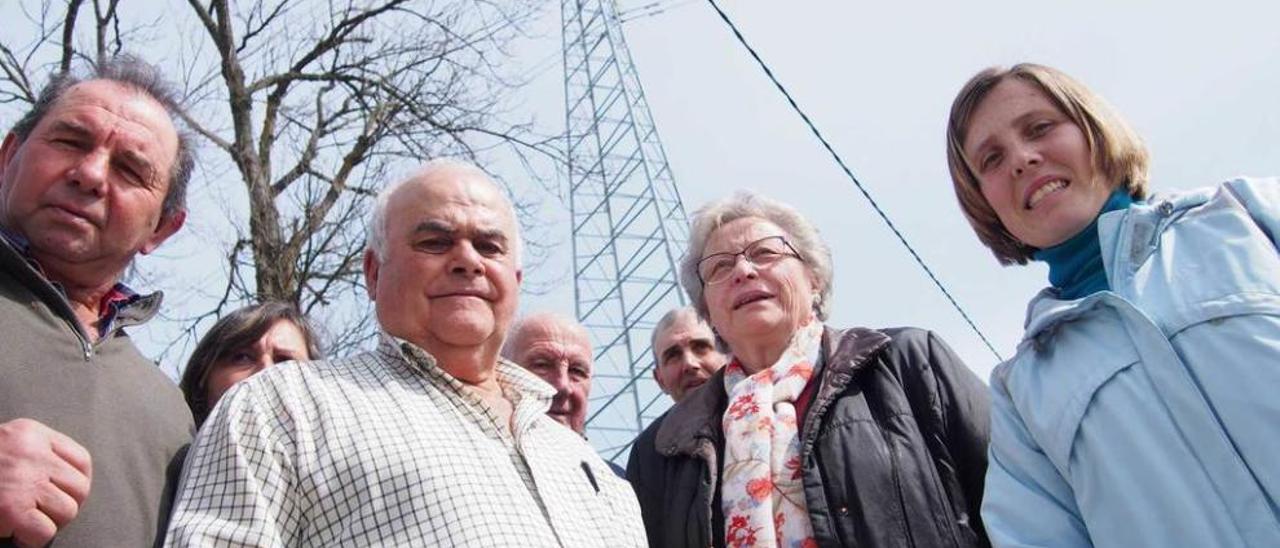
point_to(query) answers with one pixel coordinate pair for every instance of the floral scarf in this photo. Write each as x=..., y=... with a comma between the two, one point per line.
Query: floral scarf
x=762, y=495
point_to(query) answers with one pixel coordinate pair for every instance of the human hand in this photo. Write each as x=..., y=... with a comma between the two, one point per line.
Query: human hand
x=44, y=478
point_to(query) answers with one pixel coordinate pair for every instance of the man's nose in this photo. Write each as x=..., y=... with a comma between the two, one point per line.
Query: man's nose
x=90, y=172
x=466, y=260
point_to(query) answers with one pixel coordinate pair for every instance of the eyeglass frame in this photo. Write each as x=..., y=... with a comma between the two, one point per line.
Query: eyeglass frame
x=794, y=253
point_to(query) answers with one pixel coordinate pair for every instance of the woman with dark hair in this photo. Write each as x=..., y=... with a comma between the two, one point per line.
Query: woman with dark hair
x=1141, y=408
x=240, y=345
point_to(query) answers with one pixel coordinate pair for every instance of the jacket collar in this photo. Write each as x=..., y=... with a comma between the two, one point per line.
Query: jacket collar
x=699, y=416
x=14, y=260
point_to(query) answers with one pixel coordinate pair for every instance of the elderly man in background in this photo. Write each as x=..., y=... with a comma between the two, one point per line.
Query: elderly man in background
x=92, y=175
x=429, y=440
x=684, y=352
x=558, y=351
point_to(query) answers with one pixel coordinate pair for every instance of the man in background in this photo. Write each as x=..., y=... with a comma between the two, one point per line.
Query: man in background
x=684, y=352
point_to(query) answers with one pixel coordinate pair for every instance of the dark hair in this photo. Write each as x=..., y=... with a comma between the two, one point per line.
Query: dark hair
x=144, y=77
x=234, y=331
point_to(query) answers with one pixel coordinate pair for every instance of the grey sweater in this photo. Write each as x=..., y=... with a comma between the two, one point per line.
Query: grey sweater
x=105, y=395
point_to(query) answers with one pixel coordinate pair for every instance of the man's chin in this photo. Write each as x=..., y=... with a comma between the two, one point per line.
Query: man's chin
x=463, y=329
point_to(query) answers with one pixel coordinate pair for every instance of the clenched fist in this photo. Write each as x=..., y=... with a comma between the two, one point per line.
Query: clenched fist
x=44, y=478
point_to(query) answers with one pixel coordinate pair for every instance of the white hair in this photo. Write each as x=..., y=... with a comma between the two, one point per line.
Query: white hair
x=743, y=204
x=518, y=332
x=376, y=231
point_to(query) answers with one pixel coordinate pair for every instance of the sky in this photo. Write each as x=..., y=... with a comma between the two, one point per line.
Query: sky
x=1198, y=81
x=1199, y=84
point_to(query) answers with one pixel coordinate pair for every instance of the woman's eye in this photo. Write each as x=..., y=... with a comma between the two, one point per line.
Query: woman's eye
x=1040, y=128
x=989, y=161
x=764, y=254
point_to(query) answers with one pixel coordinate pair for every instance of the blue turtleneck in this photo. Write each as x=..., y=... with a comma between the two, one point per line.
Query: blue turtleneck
x=1075, y=266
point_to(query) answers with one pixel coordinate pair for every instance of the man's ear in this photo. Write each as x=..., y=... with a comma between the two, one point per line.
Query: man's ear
x=7, y=151
x=371, y=265
x=168, y=226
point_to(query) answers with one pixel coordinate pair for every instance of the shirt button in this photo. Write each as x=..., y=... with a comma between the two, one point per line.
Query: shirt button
x=1166, y=208
x=844, y=510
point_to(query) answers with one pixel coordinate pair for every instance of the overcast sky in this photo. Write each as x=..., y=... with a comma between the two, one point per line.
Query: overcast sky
x=1200, y=82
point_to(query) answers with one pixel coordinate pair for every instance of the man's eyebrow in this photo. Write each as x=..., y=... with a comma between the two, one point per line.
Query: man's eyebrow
x=140, y=161
x=433, y=225
x=67, y=126
x=491, y=234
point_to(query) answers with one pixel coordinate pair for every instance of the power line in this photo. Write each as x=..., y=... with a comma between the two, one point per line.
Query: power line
x=883, y=216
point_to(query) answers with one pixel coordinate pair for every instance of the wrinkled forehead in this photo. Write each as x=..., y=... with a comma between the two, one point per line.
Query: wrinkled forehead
x=124, y=113
x=453, y=195
x=737, y=234
x=685, y=328
x=555, y=332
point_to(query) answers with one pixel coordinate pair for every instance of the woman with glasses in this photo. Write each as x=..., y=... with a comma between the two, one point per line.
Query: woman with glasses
x=812, y=435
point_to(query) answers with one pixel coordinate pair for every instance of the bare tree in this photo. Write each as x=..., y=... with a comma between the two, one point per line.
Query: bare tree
x=315, y=105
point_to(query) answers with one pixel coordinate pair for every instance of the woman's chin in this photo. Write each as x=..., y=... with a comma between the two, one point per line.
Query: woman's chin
x=754, y=324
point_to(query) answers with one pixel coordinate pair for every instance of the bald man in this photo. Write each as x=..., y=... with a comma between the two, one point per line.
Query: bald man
x=431, y=439
x=557, y=350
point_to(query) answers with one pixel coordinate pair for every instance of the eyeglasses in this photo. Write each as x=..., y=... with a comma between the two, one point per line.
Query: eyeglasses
x=762, y=253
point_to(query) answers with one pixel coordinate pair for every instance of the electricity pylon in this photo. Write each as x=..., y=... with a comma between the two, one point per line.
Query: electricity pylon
x=629, y=225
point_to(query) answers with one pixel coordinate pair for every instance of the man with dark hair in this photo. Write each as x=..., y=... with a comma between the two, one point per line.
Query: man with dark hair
x=684, y=352
x=93, y=175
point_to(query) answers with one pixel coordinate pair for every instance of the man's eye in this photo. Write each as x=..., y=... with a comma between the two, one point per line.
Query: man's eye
x=489, y=248
x=132, y=175
x=435, y=245
x=67, y=142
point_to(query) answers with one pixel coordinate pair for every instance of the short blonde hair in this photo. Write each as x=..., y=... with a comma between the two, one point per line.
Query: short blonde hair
x=1117, y=150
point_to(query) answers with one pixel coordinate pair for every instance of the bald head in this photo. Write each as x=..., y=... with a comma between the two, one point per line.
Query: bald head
x=442, y=171
x=557, y=350
x=442, y=267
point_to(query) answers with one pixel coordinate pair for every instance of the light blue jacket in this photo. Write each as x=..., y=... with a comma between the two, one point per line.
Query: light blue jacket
x=1149, y=415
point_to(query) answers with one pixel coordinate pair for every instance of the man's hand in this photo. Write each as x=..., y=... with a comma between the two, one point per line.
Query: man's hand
x=44, y=478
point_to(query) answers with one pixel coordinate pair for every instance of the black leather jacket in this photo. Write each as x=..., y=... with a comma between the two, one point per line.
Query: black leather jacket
x=894, y=446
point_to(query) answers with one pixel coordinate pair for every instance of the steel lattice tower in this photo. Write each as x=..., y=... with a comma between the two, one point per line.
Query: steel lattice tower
x=629, y=225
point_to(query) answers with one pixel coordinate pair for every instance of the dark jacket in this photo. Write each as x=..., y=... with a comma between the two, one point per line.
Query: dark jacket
x=104, y=395
x=893, y=445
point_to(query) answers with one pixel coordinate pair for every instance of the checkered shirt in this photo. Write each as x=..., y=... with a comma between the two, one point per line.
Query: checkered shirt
x=386, y=449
